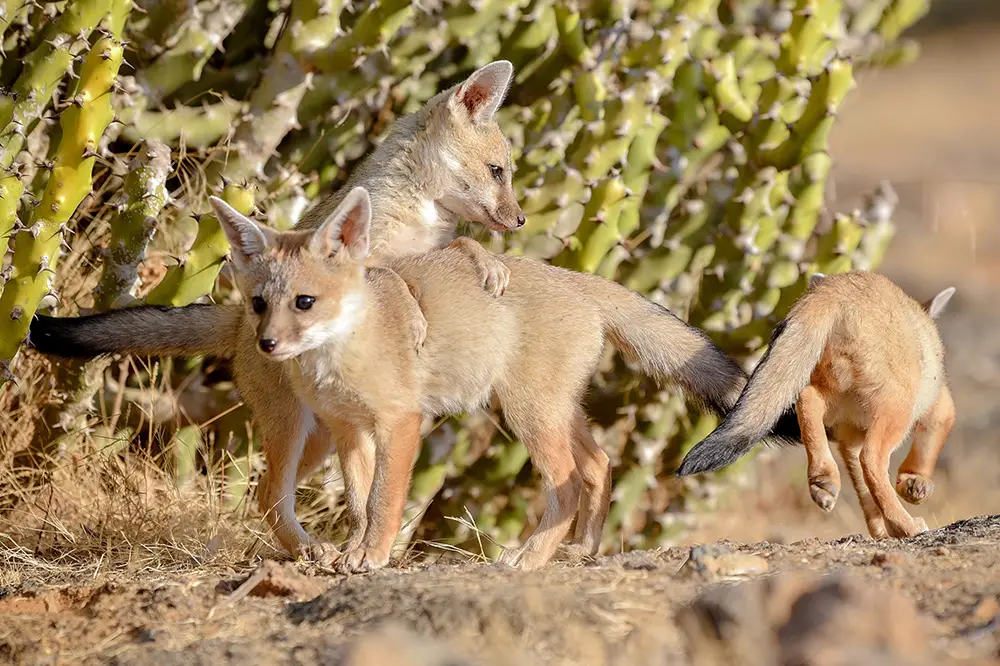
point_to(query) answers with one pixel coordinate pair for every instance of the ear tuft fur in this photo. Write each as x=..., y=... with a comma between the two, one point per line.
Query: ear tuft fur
x=245, y=236
x=348, y=227
x=480, y=95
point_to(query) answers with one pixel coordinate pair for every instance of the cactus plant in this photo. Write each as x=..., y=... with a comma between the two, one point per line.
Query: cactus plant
x=37, y=247
x=679, y=147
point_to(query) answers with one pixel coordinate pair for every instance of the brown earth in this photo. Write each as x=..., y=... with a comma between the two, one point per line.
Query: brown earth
x=933, y=130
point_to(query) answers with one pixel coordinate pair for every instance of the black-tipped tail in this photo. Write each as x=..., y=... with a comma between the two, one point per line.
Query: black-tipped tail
x=155, y=330
x=723, y=447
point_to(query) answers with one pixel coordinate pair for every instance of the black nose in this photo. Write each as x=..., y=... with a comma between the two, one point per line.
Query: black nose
x=520, y=221
x=267, y=345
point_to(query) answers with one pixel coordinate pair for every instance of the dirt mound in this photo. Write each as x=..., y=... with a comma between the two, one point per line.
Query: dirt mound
x=933, y=598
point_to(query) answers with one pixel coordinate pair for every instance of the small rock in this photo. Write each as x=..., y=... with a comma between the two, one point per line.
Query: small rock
x=987, y=609
x=272, y=579
x=942, y=551
x=893, y=558
x=711, y=562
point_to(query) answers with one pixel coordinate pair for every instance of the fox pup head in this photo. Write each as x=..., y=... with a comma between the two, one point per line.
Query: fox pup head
x=303, y=289
x=475, y=153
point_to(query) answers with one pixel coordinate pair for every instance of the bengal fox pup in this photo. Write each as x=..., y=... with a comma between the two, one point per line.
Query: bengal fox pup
x=447, y=161
x=354, y=376
x=864, y=362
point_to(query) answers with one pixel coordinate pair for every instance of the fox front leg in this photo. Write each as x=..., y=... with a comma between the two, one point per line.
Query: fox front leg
x=493, y=272
x=395, y=448
x=418, y=323
x=415, y=319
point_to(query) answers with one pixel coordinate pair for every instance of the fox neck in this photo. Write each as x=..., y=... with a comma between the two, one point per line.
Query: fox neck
x=409, y=186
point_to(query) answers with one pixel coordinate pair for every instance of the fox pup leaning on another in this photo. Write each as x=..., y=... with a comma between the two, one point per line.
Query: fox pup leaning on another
x=448, y=160
x=865, y=362
x=343, y=331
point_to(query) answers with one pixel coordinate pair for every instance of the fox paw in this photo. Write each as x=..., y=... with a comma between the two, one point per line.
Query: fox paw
x=510, y=557
x=572, y=554
x=495, y=275
x=824, y=494
x=360, y=560
x=876, y=528
x=523, y=558
x=322, y=553
x=418, y=328
x=914, y=488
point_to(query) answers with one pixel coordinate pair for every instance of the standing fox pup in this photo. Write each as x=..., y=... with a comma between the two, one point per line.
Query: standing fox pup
x=341, y=332
x=864, y=362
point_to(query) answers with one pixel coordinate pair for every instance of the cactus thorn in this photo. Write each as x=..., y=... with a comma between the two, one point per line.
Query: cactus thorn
x=5, y=372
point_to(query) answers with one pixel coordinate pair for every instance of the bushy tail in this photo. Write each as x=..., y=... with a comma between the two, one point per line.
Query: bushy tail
x=796, y=347
x=153, y=330
x=667, y=348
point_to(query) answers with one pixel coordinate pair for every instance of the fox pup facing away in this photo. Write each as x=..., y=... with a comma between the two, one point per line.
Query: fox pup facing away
x=863, y=362
x=355, y=378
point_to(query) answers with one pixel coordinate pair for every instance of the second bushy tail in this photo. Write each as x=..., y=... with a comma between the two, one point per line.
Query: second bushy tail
x=796, y=348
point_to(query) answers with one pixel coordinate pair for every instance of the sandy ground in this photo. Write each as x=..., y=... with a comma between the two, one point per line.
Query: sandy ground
x=931, y=129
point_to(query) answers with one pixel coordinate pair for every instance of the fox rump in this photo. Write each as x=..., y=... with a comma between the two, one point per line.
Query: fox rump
x=861, y=359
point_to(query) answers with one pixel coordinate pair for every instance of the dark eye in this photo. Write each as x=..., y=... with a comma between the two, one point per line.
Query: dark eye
x=496, y=171
x=304, y=302
x=258, y=304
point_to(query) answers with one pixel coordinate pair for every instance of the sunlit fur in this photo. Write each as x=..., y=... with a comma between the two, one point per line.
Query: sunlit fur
x=862, y=361
x=439, y=154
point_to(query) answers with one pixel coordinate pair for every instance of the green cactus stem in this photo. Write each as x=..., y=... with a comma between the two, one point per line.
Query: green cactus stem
x=44, y=70
x=195, y=275
x=144, y=196
x=200, y=37
x=37, y=247
x=373, y=29
x=273, y=108
x=194, y=126
x=11, y=189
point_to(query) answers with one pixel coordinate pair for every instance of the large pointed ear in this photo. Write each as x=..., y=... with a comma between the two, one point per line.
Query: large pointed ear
x=480, y=95
x=247, y=238
x=348, y=227
x=935, y=306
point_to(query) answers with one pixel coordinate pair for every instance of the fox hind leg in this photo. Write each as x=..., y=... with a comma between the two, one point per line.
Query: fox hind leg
x=594, y=467
x=550, y=445
x=850, y=444
x=883, y=437
x=824, y=475
x=913, y=482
